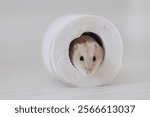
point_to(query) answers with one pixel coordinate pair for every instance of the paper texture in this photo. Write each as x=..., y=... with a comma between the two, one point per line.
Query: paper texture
x=56, y=49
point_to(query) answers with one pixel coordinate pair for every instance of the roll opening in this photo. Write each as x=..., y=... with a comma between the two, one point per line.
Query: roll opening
x=87, y=52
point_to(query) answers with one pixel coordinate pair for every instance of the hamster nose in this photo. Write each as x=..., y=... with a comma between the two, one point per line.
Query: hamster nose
x=88, y=70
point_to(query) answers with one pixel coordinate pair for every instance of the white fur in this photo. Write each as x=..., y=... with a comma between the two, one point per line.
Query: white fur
x=88, y=50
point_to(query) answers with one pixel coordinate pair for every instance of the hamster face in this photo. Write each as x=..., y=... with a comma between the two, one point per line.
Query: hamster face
x=87, y=57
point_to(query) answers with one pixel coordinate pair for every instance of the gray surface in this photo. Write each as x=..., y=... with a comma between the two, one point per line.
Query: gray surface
x=23, y=24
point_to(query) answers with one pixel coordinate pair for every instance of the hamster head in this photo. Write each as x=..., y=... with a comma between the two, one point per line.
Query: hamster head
x=87, y=57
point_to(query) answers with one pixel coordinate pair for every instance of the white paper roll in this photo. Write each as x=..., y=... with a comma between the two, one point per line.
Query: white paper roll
x=55, y=49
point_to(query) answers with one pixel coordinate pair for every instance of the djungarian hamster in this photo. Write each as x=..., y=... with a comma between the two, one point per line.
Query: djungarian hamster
x=86, y=54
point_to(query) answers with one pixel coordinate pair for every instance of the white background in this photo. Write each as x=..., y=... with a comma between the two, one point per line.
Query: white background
x=141, y=107
x=23, y=24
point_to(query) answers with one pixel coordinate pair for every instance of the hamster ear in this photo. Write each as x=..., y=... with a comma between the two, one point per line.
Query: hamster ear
x=75, y=46
x=96, y=44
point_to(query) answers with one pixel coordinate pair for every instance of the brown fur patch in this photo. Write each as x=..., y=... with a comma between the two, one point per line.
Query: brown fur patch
x=79, y=40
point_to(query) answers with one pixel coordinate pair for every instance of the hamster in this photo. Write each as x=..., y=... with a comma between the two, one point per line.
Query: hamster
x=86, y=54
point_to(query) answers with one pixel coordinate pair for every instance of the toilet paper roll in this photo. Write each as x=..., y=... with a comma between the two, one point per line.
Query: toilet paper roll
x=55, y=49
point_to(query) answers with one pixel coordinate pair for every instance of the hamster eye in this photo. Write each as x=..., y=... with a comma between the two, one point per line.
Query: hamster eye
x=81, y=58
x=94, y=58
